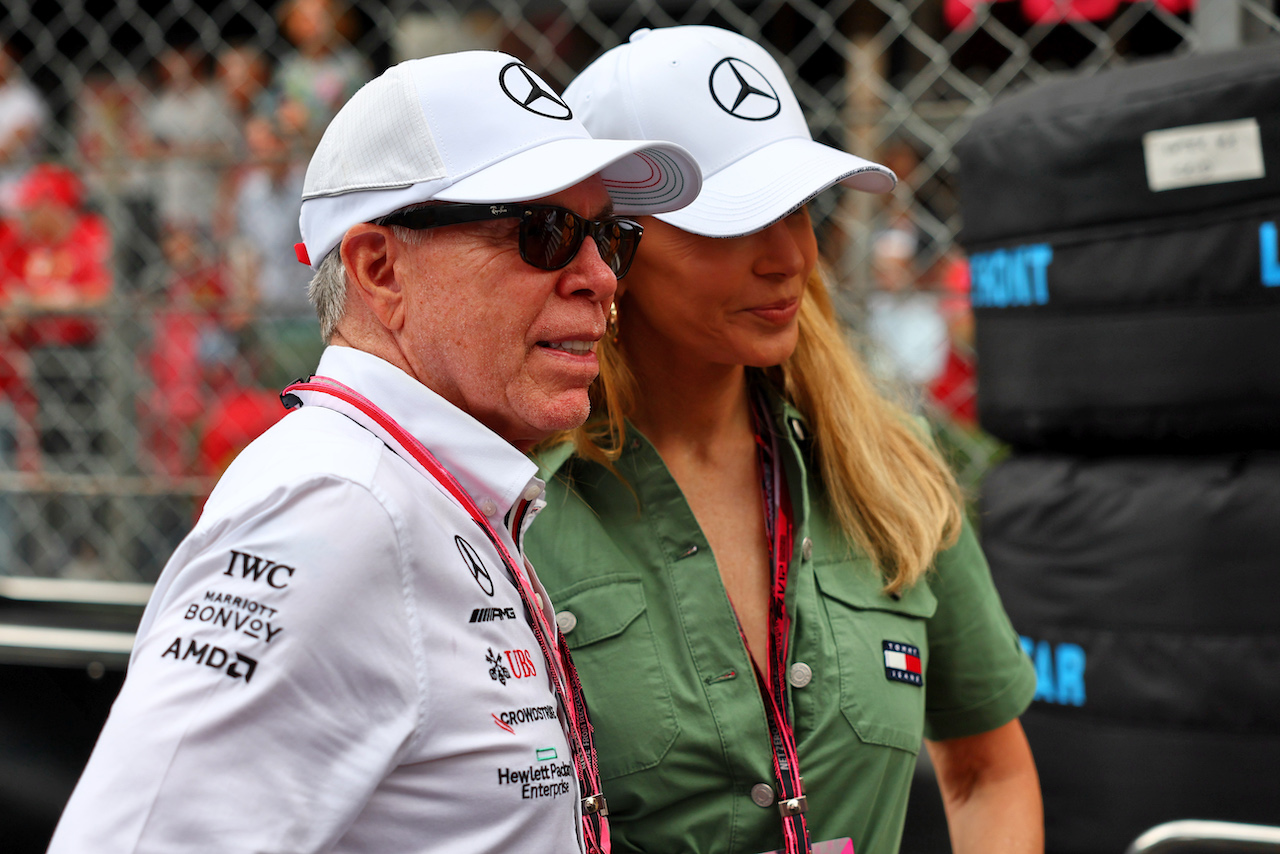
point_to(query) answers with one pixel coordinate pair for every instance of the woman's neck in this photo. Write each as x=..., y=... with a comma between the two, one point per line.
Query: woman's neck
x=687, y=410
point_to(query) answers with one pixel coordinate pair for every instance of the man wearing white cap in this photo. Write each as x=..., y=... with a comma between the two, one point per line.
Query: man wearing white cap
x=349, y=652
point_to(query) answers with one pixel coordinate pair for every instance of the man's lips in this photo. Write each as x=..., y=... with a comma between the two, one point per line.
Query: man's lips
x=580, y=347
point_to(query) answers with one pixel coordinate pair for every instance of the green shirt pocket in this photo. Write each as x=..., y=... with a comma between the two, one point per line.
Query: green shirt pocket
x=613, y=648
x=864, y=623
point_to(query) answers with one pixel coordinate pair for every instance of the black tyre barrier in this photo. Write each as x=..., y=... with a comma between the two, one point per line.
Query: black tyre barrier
x=1115, y=311
x=1145, y=592
x=1106, y=782
x=1070, y=154
x=1156, y=543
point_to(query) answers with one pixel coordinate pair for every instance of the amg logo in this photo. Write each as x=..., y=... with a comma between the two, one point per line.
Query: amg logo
x=488, y=615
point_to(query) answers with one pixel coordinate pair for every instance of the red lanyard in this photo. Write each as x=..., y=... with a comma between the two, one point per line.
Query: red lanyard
x=773, y=688
x=564, y=677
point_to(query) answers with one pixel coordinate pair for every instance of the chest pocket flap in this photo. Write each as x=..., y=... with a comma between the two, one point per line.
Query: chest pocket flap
x=882, y=710
x=607, y=629
x=857, y=585
x=602, y=607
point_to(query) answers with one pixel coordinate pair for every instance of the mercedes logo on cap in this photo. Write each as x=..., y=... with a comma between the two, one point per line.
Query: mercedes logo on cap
x=524, y=87
x=478, y=572
x=742, y=91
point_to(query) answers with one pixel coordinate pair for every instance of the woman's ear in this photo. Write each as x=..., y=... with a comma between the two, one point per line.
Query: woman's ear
x=369, y=252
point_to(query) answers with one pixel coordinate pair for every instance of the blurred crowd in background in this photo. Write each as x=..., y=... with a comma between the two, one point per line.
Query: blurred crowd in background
x=205, y=152
x=151, y=165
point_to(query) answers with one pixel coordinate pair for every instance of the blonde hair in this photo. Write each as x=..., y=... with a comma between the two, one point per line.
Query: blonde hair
x=889, y=490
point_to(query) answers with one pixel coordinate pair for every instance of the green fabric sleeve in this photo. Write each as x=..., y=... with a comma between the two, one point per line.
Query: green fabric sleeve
x=979, y=678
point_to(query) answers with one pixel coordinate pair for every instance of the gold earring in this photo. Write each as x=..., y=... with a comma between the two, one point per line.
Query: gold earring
x=613, y=321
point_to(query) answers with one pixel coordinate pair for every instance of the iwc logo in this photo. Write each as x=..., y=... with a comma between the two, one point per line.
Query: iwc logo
x=742, y=91
x=524, y=87
x=478, y=571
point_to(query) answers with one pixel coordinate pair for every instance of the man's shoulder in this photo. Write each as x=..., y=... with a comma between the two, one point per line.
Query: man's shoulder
x=308, y=445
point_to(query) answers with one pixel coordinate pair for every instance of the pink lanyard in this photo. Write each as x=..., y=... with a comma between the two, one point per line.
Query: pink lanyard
x=773, y=688
x=564, y=677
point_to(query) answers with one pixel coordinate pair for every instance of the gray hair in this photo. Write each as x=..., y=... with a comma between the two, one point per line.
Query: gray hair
x=328, y=292
x=328, y=288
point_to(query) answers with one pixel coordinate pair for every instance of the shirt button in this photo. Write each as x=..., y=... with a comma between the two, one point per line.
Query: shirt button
x=487, y=507
x=537, y=599
x=801, y=675
x=566, y=620
x=806, y=549
x=762, y=795
x=531, y=492
x=797, y=429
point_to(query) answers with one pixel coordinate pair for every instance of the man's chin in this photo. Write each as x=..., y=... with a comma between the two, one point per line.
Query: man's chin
x=565, y=411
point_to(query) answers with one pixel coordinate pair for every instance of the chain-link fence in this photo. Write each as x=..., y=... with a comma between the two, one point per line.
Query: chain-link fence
x=151, y=158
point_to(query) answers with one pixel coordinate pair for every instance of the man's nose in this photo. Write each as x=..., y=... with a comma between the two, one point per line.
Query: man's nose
x=588, y=275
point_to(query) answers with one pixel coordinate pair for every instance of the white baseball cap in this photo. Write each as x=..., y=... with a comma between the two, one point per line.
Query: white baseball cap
x=725, y=99
x=476, y=126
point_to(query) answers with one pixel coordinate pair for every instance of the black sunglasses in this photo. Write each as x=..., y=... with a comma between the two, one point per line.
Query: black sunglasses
x=550, y=237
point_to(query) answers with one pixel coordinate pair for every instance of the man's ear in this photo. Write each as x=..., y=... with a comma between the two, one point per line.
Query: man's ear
x=369, y=253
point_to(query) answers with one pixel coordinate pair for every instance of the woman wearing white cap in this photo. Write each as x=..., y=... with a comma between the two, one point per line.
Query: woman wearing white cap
x=762, y=567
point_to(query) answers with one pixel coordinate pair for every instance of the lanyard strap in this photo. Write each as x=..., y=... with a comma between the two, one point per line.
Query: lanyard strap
x=324, y=391
x=773, y=686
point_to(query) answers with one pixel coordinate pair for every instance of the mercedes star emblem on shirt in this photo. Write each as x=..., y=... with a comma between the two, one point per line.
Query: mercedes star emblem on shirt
x=524, y=87
x=742, y=91
x=478, y=571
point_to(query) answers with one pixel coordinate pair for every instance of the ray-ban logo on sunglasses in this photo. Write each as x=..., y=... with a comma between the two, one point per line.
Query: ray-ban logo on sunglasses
x=523, y=86
x=497, y=210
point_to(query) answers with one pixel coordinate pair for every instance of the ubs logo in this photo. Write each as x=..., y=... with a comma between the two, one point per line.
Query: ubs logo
x=523, y=86
x=473, y=562
x=742, y=91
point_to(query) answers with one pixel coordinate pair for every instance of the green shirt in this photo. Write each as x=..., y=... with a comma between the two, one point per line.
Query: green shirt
x=680, y=726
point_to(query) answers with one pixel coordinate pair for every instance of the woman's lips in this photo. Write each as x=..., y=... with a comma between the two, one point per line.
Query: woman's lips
x=780, y=312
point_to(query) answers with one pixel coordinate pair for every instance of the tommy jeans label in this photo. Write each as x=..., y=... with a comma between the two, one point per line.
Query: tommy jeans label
x=515, y=717
x=902, y=663
x=246, y=624
x=275, y=575
x=487, y=615
x=498, y=671
x=474, y=564
x=213, y=656
x=539, y=781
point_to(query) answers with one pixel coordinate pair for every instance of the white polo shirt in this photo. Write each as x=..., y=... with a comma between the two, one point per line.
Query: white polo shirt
x=335, y=658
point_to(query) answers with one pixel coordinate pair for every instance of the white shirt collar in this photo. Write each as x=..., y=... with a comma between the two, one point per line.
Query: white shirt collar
x=488, y=466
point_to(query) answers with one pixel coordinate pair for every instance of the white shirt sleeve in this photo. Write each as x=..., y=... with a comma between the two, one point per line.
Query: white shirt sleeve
x=274, y=682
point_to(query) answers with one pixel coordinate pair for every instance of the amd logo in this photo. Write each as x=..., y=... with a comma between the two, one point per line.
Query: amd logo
x=213, y=656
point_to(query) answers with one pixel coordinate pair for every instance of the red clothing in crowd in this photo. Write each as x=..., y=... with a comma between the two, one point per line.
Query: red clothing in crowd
x=50, y=277
x=239, y=417
x=955, y=388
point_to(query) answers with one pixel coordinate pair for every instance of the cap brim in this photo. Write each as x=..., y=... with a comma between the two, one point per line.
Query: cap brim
x=641, y=176
x=772, y=182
